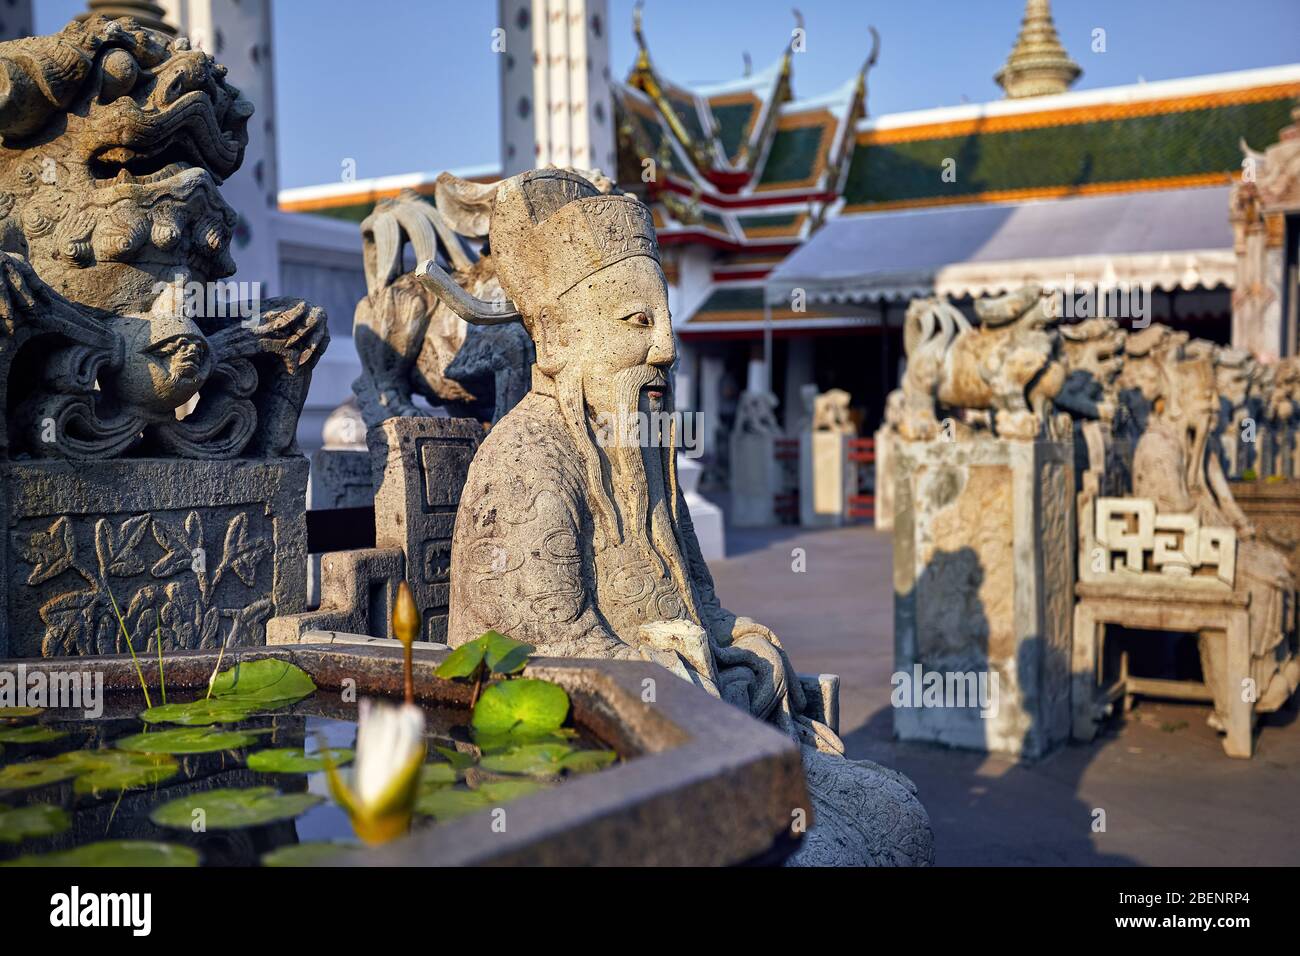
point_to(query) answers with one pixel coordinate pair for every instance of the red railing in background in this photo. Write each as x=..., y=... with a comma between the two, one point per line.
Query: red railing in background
x=786, y=501
x=863, y=452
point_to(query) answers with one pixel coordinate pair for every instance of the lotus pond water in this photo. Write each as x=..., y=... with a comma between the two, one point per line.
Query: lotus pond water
x=237, y=775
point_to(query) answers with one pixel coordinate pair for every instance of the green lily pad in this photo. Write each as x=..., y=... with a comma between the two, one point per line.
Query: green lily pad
x=505, y=655
x=94, y=770
x=520, y=707
x=188, y=740
x=534, y=760
x=457, y=758
x=263, y=682
x=463, y=661
x=34, y=773
x=521, y=736
x=20, y=714
x=447, y=804
x=503, y=791
x=294, y=760
x=587, y=761
x=434, y=775
x=501, y=654
x=234, y=809
x=199, y=713
x=38, y=820
x=116, y=770
x=307, y=854
x=31, y=734
x=547, y=760
x=130, y=853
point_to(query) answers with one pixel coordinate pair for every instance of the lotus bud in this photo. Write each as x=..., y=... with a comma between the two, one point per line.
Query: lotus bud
x=406, y=625
x=386, y=773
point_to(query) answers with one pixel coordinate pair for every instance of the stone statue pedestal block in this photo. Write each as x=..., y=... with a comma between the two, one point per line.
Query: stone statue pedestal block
x=424, y=465
x=884, y=491
x=826, y=479
x=340, y=478
x=427, y=461
x=216, y=548
x=755, y=479
x=984, y=543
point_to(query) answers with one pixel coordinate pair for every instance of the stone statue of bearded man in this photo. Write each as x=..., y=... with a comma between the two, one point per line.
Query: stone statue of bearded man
x=573, y=534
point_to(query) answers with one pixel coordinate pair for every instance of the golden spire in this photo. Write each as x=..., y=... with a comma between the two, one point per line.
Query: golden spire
x=642, y=54
x=1038, y=64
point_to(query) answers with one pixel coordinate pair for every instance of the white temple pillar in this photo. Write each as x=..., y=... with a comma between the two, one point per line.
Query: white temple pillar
x=798, y=373
x=237, y=33
x=555, y=100
x=711, y=372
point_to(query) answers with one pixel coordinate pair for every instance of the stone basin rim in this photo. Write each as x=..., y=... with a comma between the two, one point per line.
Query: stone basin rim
x=686, y=753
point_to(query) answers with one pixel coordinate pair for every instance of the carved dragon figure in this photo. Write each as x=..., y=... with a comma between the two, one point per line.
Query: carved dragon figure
x=114, y=140
x=1008, y=365
x=409, y=341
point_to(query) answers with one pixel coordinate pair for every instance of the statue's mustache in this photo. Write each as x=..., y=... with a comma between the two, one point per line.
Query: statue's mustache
x=630, y=381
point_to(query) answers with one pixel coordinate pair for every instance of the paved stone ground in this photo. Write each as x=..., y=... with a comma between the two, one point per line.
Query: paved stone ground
x=1169, y=793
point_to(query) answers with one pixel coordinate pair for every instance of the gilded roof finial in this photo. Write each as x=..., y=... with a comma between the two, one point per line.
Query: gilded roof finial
x=642, y=54
x=796, y=34
x=1038, y=64
x=869, y=62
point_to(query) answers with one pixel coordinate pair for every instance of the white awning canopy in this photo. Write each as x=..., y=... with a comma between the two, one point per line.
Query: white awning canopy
x=1169, y=239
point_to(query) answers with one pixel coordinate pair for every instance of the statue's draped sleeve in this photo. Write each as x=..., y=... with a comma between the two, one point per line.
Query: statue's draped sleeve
x=522, y=559
x=714, y=618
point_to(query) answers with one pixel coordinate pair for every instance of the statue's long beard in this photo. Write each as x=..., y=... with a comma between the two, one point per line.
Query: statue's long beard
x=617, y=475
x=618, y=478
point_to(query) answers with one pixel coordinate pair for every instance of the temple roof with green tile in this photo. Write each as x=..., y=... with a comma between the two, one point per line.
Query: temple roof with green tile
x=736, y=165
x=750, y=172
x=1165, y=135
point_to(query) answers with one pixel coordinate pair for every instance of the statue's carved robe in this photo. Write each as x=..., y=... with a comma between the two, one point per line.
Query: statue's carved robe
x=530, y=560
x=529, y=557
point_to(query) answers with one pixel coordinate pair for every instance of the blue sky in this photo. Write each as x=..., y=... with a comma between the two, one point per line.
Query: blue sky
x=406, y=85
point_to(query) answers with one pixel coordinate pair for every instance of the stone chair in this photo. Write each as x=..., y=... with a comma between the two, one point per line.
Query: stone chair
x=1144, y=569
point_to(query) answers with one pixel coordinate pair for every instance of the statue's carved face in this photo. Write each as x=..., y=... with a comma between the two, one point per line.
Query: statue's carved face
x=113, y=186
x=616, y=328
x=1232, y=380
x=1188, y=396
x=1095, y=346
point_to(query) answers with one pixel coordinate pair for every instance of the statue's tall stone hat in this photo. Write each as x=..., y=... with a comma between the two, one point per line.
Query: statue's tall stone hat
x=550, y=229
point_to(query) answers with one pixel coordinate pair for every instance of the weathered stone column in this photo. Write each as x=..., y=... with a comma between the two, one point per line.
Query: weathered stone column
x=983, y=592
x=426, y=463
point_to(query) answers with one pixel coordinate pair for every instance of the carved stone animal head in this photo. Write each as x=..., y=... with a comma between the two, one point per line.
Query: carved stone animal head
x=1095, y=347
x=1233, y=372
x=756, y=414
x=113, y=141
x=1145, y=354
x=1284, y=395
x=831, y=412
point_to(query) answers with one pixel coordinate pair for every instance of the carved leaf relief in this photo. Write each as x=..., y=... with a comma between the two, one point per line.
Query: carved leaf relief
x=49, y=552
x=179, y=544
x=79, y=617
x=117, y=552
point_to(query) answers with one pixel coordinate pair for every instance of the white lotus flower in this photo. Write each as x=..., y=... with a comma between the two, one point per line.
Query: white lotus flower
x=386, y=772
